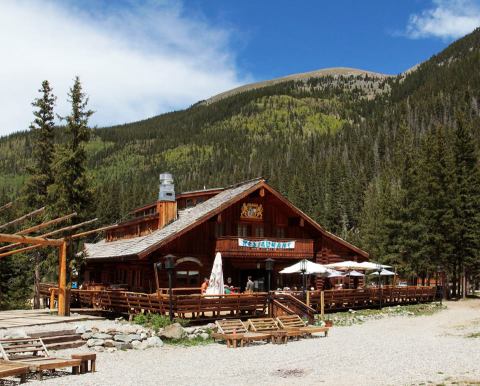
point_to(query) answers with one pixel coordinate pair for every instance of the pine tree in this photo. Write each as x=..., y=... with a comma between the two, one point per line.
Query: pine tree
x=41, y=174
x=436, y=196
x=71, y=192
x=42, y=128
x=466, y=230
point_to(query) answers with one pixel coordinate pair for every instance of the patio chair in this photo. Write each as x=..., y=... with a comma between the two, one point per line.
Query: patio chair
x=13, y=369
x=270, y=325
x=33, y=353
x=295, y=322
x=227, y=327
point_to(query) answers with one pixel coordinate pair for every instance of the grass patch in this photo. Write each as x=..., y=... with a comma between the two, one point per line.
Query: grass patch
x=352, y=317
x=157, y=321
x=185, y=342
x=474, y=335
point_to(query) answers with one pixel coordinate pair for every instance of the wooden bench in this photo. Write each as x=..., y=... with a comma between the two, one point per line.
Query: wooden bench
x=33, y=353
x=86, y=358
x=270, y=325
x=292, y=322
x=228, y=327
x=12, y=369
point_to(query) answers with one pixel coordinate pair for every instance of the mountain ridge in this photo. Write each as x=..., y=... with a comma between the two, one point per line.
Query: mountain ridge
x=323, y=72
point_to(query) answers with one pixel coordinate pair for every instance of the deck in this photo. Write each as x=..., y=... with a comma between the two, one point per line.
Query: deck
x=205, y=307
x=27, y=318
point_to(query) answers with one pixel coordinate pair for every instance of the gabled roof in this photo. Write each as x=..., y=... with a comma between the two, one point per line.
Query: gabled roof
x=187, y=218
x=191, y=217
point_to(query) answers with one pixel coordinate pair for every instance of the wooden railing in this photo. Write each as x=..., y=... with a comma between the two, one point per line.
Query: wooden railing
x=196, y=306
x=193, y=306
x=228, y=246
x=285, y=303
x=345, y=299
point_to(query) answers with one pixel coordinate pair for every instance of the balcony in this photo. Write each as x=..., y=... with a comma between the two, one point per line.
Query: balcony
x=264, y=247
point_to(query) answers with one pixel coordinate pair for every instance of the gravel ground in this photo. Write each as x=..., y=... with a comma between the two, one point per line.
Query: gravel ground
x=391, y=351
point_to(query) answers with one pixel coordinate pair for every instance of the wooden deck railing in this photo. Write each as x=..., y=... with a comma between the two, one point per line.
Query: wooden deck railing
x=196, y=306
x=336, y=300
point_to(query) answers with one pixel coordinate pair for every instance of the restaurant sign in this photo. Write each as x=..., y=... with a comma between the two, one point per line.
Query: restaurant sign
x=267, y=244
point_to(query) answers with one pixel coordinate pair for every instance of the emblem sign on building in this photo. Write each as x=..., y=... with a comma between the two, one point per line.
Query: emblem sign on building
x=252, y=211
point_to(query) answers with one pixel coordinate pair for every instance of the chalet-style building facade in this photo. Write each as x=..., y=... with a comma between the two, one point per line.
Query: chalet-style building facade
x=248, y=223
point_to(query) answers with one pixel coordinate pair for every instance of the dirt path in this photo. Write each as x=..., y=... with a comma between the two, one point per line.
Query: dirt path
x=393, y=351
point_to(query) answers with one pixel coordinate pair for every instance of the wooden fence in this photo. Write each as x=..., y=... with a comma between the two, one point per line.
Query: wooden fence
x=338, y=300
x=196, y=306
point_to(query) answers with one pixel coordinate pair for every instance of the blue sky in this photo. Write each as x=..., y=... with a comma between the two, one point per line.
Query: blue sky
x=139, y=58
x=274, y=38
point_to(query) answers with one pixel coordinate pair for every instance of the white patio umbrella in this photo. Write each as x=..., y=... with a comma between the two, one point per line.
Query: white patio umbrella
x=332, y=273
x=384, y=272
x=366, y=265
x=307, y=267
x=215, y=284
x=354, y=274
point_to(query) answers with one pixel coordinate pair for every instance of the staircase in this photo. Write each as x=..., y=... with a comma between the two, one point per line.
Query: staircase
x=59, y=340
x=286, y=304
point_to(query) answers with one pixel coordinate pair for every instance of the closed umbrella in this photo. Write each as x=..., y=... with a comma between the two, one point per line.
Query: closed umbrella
x=215, y=284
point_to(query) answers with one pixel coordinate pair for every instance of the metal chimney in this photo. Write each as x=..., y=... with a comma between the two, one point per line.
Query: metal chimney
x=167, y=188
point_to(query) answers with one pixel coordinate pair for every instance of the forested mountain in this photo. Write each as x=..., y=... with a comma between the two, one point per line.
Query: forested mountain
x=363, y=154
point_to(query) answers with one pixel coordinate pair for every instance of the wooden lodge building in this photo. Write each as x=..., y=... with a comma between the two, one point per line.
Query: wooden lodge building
x=248, y=223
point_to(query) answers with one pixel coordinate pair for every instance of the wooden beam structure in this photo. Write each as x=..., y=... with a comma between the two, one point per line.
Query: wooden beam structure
x=23, y=218
x=20, y=250
x=13, y=238
x=6, y=206
x=62, y=279
x=48, y=234
x=42, y=241
x=46, y=224
x=87, y=233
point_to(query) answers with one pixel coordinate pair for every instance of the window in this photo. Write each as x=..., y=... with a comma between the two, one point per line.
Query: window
x=280, y=232
x=188, y=278
x=259, y=231
x=242, y=230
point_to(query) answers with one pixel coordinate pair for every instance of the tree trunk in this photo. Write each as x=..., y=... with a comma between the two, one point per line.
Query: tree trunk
x=36, y=297
x=464, y=294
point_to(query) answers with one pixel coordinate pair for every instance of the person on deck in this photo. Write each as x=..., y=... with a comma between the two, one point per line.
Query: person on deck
x=204, y=286
x=249, y=287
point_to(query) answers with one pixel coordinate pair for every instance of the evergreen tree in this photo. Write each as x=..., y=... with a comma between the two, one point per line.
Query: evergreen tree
x=42, y=128
x=436, y=195
x=466, y=227
x=40, y=171
x=70, y=192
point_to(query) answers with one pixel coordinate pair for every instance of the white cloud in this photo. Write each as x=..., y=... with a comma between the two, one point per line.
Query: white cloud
x=133, y=62
x=448, y=19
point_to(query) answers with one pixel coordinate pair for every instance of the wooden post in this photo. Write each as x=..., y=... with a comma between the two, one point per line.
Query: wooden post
x=62, y=279
x=156, y=276
x=322, y=305
x=308, y=298
x=52, y=299
x=37, y=278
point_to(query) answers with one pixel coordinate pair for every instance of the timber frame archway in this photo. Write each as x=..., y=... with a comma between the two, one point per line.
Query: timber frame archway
x=27, y=243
